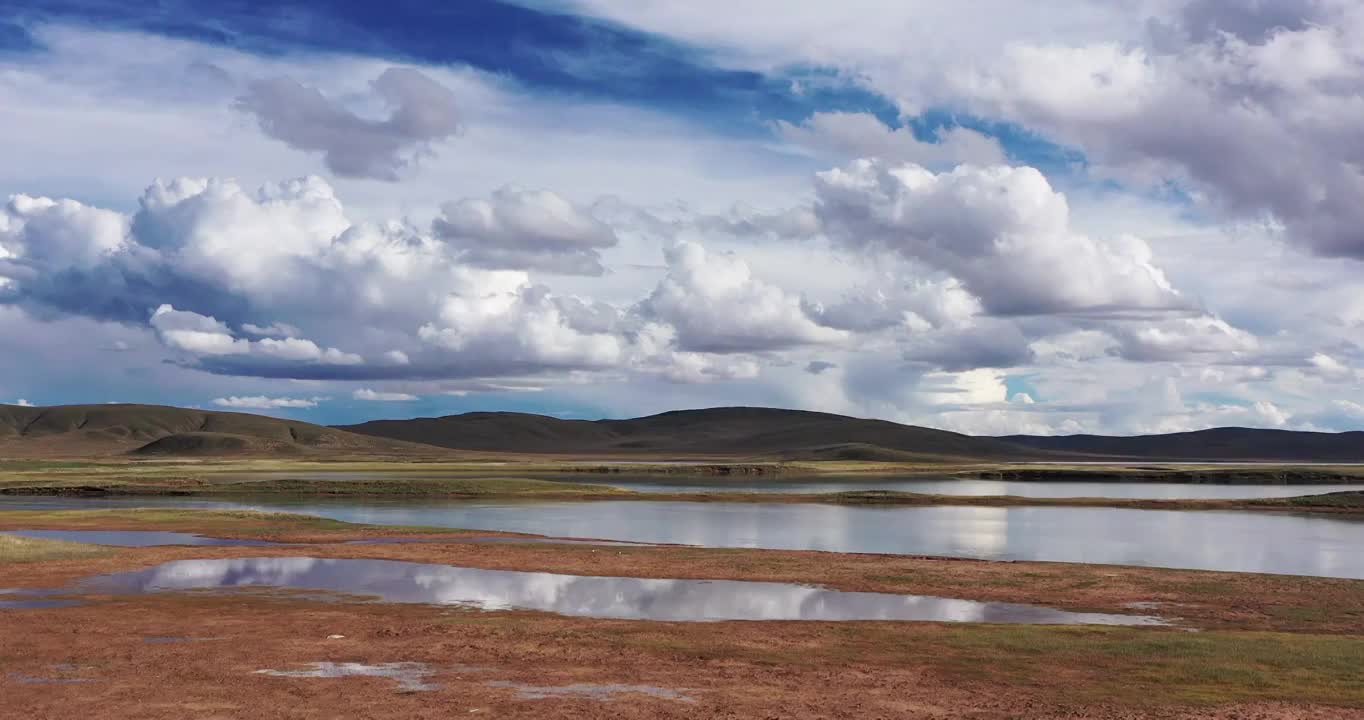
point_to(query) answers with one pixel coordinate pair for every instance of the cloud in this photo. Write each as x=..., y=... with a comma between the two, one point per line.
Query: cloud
x=519, y=229
x=195, y=334
x=261, y=402
x=421, y=113
x=848, y=135
x=202, y=256
x=716, y=305
x=818, y=367
x=1002, y=231
x=913, y=304
x=993, y=344
x=1183, y=339
x=200, y=335
x=655, y=350
x=376, y=396
x=58, y=233
x=1266, y=95
x=23, y=403
x=273, y=330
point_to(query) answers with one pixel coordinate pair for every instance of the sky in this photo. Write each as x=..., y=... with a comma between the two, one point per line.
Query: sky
x=1111, y=216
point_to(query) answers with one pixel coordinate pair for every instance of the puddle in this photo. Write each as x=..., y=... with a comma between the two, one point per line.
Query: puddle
x=410, y=676
x=589, y=690
x=36, y=604
x=133, y=538
x=497, y=539
x=575, y=595
x=32, y=599
x=53, y=680
x=173, y=639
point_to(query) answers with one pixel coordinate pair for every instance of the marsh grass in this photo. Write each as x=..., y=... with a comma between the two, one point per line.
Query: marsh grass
x=15, y=549
x=219, y=523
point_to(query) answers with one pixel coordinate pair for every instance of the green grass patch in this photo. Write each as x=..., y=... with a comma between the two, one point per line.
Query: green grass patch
x=14, y=549
x=223, y=523
x=1212, y=667
x=424, y=487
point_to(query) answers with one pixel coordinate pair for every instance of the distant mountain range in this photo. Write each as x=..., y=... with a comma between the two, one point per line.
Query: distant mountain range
x=797, y=434
x=1216, y=444
x=721, y=432
x=738, y=433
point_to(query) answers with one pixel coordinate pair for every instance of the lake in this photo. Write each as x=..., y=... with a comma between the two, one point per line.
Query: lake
x=1269, y=542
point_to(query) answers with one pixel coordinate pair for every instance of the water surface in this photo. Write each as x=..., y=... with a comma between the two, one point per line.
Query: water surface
x=580, y=596
x=937, y=485
x=967, y=487
x=1268, y=542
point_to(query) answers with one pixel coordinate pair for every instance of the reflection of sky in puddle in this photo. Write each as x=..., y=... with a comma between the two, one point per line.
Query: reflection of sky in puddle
x=582, y=596
x=132, y=538
x=410, y=676
x=31, y=599
x=592, y=691
x=61, y=675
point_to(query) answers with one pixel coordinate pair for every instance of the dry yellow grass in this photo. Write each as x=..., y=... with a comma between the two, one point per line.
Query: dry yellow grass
x=15, y=549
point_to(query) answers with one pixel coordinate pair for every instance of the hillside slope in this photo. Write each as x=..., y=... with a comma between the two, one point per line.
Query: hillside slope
x=92, y=430
x=1229, y=443
x=739, y=431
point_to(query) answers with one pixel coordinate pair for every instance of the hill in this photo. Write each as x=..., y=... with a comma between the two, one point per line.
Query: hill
x=93, y=430
x=1221, y=444
x=736, y=431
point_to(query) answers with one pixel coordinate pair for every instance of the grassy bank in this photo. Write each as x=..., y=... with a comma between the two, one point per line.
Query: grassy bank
x=15, y=549
x=493, y=465
x=401, y=486
x=246, y=524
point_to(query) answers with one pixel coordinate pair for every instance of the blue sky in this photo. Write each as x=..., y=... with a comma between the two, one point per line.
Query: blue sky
x=338, y=210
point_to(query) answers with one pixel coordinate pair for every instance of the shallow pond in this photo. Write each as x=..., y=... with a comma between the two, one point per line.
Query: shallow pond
x=1271, y=542
x=576, y=595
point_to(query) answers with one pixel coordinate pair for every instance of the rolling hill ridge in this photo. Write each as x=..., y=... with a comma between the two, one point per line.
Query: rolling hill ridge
x=93, y=430
x=1216, y=444
x=729, y=432
x=802, y=435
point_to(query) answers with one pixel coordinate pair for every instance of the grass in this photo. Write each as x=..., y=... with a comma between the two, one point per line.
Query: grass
x=404, y=482
x=1199, y=668
x=219, y=523
x=392, y=485
x=1135, y=667
x=14, y=549
x=425, y=487
x=1340, y=500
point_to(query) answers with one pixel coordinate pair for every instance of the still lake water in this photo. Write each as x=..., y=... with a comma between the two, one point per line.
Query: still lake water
x=577, y=595
x=960, y=486
x=1286, y=543
x=935, y=485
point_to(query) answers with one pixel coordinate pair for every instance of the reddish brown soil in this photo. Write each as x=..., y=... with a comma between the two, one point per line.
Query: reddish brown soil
x=730, y=670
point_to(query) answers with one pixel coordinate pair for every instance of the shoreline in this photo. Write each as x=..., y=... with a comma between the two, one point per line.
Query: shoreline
x=1195, y=596
x=1349, y=502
